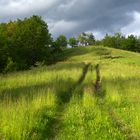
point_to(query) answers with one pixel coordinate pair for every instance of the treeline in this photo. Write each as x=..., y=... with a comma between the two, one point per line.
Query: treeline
x=84, y=39
x=23, y=43
x=119, y=41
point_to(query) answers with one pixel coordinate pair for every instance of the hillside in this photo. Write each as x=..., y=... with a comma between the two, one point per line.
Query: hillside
x=64, y=102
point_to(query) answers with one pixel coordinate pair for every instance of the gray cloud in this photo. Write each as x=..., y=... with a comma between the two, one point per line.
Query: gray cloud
x=75, y=16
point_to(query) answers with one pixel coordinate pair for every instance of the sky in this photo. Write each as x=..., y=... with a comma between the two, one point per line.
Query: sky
x=71, y=17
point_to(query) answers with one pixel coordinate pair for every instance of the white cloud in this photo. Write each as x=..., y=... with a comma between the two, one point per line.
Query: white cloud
x=71, y=17
x=62, y=27
x=134, y=26
x=24, y=7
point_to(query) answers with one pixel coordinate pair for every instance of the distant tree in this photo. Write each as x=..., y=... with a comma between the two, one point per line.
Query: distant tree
x=86, y=39
x=118, y=39
x=73, y=42
x=137, y=45
x=91, y=39
x=114, y=41
x=82, y=39
x=3, y=47
x=131, y=43
x=108, y=41
x=98, y=42
x=61, y=41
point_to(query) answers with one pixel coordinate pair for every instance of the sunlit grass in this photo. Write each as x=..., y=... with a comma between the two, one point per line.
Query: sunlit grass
x=31, y=102
x=84, y=119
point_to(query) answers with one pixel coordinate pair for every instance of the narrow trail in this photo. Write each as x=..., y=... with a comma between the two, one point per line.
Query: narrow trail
x=85, y=70
x=53, y=128
x=123, y=127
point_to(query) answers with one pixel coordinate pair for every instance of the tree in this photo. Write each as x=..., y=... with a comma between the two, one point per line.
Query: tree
x=28, y=41
x=3, y=47
x=24, y=42
x=82, y=39
x=86, y=39
x=73, y=42
x=131, y=43
x=114, y=41
x=61, y=41
x=137, y=45
x=91, y=39
x=109, y=41
x=118, y=39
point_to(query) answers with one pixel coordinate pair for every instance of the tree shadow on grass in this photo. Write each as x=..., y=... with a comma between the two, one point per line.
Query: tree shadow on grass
x=46, y=116
x=31, y=91
x=45, y=119
x=64, y=97
x=47, y=125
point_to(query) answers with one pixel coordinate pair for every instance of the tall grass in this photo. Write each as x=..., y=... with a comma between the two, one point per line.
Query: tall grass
x=48, y=103
x=122, y=88
x=29, y=100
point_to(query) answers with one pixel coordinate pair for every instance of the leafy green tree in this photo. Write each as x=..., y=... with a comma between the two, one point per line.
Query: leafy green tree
x=82, y=39
x=130, y=43
x=73, y=42
x=30, y=42
x=108, y=41
x=61, y=41
x=86, y=39
x=25, y=42
x=137, y=45
x=91, y=39
x=118, y=39
x=3, y=47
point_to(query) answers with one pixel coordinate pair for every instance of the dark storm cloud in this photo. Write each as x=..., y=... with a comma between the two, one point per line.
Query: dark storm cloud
x=71, y=17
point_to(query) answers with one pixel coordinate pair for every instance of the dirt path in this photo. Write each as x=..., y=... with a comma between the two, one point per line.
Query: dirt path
x=53, y=128
x=123, y=127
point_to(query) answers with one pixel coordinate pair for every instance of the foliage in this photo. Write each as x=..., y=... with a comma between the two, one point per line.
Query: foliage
x=73, y=42
x=26, y=42
x=61, y=41
x=37, y=105
x=119, y=41
x=86, y=39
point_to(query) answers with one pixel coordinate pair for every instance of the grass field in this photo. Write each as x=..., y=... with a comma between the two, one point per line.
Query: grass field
x=60, y=101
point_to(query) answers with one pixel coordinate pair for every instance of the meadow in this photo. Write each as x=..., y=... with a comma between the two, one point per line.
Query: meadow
x=60, y=101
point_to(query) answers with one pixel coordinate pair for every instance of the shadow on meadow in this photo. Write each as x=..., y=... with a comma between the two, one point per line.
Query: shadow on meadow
x=47, y=124
x=31, y=91
x=53, y=125
x=45, y=117
x=60, y=86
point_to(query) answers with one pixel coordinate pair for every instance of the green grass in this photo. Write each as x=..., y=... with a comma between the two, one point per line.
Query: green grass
x=49, y=103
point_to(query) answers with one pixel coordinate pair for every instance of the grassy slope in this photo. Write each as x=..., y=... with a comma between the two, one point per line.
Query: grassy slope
x=48, y=103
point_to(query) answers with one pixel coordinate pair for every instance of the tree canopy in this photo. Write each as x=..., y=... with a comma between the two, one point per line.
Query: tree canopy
x=62, y=41
x=23, y=43
x=131, y=42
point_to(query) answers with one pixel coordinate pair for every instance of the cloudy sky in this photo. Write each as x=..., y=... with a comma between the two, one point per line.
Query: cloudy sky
x=71, y=17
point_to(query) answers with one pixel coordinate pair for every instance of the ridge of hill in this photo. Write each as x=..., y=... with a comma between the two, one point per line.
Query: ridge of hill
x=61, y=101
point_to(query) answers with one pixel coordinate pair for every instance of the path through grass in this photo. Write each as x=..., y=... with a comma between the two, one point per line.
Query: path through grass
x=60, y=101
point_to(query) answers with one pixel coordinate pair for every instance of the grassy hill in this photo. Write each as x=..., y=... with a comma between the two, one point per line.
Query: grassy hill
x=61, y=101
